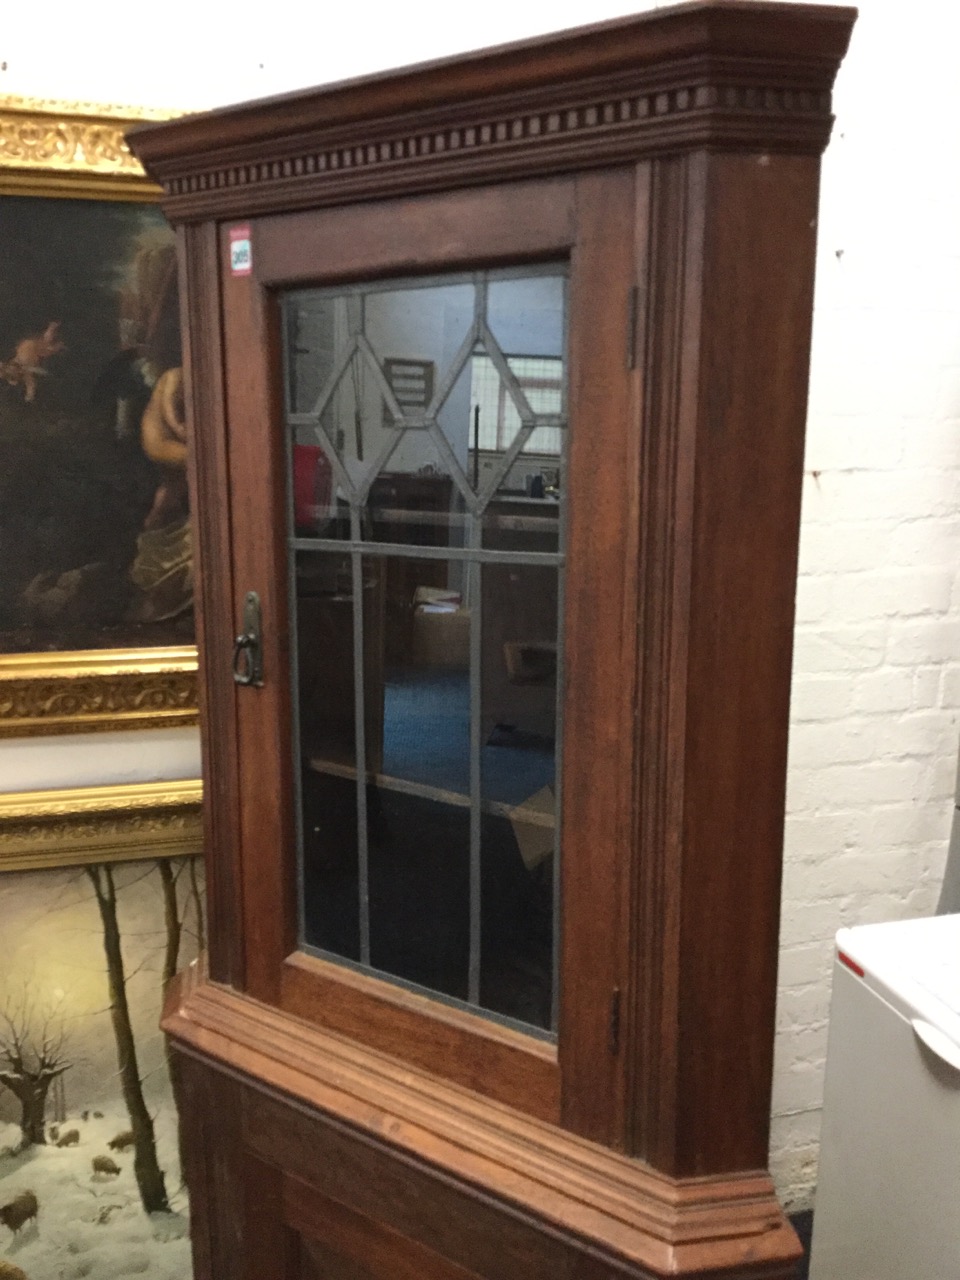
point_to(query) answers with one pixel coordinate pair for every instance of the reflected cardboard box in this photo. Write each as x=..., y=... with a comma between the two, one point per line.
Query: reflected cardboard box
x=441, y=629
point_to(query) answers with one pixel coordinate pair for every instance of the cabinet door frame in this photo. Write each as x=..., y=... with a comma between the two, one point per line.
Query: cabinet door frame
x=578, y=219
x=678, y=677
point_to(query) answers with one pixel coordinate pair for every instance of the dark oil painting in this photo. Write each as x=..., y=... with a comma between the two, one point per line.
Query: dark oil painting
x=94, y=532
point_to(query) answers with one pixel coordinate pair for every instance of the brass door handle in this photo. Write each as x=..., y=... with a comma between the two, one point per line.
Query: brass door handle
x=247, y=650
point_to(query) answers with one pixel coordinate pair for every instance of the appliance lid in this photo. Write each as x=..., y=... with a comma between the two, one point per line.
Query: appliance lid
x=914, y=965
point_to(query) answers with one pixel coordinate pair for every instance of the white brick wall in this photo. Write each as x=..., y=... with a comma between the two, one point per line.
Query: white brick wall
x=876, y=692
x=877, y=670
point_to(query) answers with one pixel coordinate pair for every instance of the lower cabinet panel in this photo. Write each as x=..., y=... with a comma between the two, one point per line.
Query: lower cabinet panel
x=338, y=1244
x=307, y=1158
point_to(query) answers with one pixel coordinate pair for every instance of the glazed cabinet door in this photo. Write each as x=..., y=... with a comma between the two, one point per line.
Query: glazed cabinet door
x=433, y=500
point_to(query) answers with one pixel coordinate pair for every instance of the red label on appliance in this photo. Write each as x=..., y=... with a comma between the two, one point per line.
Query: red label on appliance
x=241, y=255
x=851, y=964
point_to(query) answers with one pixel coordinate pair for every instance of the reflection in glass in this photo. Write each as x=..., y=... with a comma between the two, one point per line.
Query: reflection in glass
x=420, y=827
x=328, y=741
x=518, y=715
x=426, y=471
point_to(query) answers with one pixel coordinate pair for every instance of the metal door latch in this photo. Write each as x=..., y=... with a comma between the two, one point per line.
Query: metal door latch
x=247, y=652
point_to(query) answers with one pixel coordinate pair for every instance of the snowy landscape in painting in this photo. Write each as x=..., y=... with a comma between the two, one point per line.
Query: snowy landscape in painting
x=90, y=1181
x=93, y=1224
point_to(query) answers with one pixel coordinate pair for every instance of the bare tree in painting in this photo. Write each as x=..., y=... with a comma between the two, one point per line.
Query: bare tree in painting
x=173, y=922
x=176, y=918
x=32, y=1056
x=196, y=899
x=150, y=1181
x=176, y=914
x=172, y=918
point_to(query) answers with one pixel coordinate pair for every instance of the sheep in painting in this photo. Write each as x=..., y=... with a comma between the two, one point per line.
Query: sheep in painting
x=69, y=1139
x=103, y=1164
x=19, y=1210
x=122, y=1141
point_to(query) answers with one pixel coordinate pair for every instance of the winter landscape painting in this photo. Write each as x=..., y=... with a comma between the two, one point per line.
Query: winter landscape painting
x=94, y=531
x=90, y=1182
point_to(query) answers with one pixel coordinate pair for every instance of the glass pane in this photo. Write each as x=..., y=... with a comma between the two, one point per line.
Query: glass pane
x=419, y=805
x=310, y=333
x=427, y=436
x=424, y=508
x=501, y=405
x=374, y=378
x=328, y=748
x=526, y=314
x=519, y=733
x=319, y=506
x=523, y=513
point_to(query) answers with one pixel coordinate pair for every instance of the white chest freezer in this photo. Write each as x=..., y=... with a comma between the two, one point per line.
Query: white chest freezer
x=888, y=1192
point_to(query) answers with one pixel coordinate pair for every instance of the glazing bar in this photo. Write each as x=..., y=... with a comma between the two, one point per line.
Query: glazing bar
x=562, y=481
x=558, y=802
x=475, y=572
x=289, y=363
x=363, y=865
x=471, y=554
x=446, y=280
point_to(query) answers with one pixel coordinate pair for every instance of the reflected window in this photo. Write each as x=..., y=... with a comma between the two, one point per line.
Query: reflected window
x=541, y=380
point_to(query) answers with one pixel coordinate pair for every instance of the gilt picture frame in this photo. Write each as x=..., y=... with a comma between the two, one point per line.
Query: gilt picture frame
x=62, y=165
x=77, y=826
x=101, y=903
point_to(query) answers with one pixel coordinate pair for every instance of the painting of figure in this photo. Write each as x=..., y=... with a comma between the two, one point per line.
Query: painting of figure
x=94, y=532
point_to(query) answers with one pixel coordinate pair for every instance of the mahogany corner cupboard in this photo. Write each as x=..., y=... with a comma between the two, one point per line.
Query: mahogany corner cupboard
x=496, y=376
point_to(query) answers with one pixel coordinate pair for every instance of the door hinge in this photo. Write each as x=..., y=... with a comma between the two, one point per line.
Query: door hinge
x=633, y=323
x=615, y=1022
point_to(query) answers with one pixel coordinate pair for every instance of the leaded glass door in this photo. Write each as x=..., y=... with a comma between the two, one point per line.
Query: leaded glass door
x=426, y=427
x=401, y=448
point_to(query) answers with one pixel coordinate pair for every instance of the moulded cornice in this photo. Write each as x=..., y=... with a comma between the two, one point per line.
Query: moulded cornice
x=720, y=76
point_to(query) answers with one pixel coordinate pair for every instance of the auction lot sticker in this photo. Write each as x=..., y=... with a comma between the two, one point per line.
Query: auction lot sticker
x=241, y=257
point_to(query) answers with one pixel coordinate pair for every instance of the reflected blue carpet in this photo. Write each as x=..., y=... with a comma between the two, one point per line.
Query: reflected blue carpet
x=426, y=740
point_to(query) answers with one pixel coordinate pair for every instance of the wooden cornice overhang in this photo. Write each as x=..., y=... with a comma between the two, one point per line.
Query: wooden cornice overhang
x=723, y=75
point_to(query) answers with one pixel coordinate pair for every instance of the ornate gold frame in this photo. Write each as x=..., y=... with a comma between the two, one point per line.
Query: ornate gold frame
x=71, y=149
x=76, y=150
x=44, y=829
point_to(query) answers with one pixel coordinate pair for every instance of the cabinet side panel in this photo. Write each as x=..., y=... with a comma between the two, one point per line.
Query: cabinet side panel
x=756, y=307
